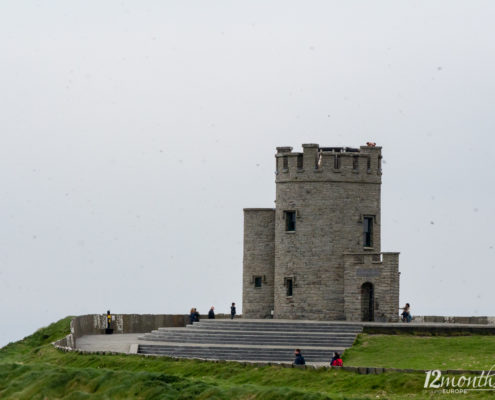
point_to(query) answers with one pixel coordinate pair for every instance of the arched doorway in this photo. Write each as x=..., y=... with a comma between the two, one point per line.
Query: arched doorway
x=367, y=302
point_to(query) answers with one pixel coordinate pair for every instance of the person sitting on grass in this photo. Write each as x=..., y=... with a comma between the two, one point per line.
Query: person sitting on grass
x=299, y=358
x=336, y=360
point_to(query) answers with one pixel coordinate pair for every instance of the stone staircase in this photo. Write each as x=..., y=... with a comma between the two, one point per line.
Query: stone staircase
x=252, y=340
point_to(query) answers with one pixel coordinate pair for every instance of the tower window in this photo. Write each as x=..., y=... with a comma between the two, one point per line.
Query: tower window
x=285, y=162
x=368, y=231
x=368, y=164
x=336, y=162
x=258, y=281
x=355, y=163
x=380, y=164
x=289, y=285
x=299, y=161
x=290, y=221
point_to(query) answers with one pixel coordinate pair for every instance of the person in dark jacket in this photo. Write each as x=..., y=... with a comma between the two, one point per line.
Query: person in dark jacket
x=299, y=358
x=211, y=313
x=232, y=311
x=191, y=315
x=336, y=360
x=196, y=315
x=406, y=313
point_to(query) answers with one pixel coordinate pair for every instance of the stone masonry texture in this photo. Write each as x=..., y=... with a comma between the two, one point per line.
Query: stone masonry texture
x=331, y=190
x=259, y=261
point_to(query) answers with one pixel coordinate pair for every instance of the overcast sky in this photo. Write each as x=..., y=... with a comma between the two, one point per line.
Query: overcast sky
x=133, y=134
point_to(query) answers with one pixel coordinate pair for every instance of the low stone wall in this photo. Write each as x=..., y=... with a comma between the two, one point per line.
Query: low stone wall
x=481, y=320
x=95, y=324
x=428, y=329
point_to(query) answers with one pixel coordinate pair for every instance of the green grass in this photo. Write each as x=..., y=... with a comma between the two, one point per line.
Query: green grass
x=423, y=352
x=33, y=369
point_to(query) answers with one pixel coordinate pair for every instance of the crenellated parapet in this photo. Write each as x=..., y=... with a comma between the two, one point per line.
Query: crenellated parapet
x=338, y=164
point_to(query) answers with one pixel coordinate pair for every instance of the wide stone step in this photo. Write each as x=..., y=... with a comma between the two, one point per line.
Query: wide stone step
x=220, y=339
x=233, y=353
x=255, y=331
x=250, y=329
x=198, y=332
x=250, y=334
x=274, y=327
x=254, y=337
x=279, y=322
x=292, y=343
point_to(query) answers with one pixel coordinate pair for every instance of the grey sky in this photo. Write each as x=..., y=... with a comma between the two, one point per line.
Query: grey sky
x=133, y=134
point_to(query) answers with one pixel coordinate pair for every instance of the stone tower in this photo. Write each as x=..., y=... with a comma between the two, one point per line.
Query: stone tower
x=317, y=255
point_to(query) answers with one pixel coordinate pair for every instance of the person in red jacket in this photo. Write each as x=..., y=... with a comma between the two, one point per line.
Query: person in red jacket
x=336, y=360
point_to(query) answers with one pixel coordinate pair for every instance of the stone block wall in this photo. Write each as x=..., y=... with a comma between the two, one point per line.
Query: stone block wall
x=329, y=222
x=95, y=324
x=381, y=270
x=258, y=261
x=476, y=320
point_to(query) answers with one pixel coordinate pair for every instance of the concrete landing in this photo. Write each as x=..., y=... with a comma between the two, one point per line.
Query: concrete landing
x=118, y=343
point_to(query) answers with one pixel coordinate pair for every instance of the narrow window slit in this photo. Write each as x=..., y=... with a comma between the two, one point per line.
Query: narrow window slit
x=290, y=221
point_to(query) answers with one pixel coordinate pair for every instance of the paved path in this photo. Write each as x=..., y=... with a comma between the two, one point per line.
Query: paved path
x=120, y=343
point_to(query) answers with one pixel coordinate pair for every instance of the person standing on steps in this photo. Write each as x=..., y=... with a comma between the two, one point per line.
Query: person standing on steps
x=191, y=315
x=299, y=358
x=196, y=315
x=211, y=313
x=232, y=311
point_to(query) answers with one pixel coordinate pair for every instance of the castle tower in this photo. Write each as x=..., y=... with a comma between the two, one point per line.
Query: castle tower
x=327, y=261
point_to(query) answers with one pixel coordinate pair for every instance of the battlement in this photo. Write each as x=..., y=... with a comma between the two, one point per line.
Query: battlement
x=369, y=258
x=340, y=164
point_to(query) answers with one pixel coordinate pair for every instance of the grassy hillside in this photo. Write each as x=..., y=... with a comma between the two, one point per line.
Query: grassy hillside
x=423, y=352
x=33, y=369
